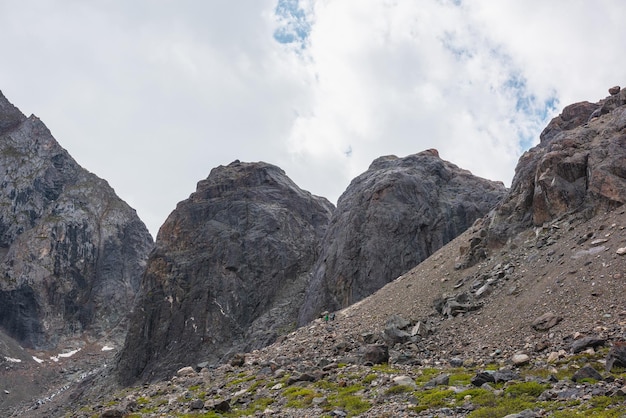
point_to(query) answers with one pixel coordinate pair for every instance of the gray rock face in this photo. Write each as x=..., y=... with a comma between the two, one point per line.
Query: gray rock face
x=228, y=273
x=390, y=218
x=71, y=251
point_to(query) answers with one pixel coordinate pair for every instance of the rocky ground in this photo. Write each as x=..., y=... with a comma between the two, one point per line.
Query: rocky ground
x=526, y=331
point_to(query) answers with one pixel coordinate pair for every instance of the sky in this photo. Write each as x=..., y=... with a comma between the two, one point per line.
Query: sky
x=152, y=94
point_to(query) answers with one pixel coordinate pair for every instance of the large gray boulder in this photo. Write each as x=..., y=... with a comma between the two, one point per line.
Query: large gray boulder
x=390, y=218
x=228, y=273
x=71, y=251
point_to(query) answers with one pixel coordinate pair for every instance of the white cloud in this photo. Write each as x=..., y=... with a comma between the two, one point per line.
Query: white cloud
x=153, y=94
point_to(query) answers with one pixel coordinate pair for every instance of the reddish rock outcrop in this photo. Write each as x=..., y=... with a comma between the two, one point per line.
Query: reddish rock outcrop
x=579, y=166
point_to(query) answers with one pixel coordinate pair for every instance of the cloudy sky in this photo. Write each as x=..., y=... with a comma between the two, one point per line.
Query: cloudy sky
x=152, y=94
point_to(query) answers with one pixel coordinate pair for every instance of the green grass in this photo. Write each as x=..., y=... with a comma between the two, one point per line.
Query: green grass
x=385, y=368
x=394, y=390
x=432, y=398
x=299, y=397
x=525, y=389
x=370, y=378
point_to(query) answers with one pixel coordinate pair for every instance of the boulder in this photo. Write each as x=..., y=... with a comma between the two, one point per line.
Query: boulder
x=586, y=372
x=376, y=354
x=483, y=377
x=546, y=321
x=616, y=356
x=389, y=219
x=403, y=380
x=520, y=359
x=584, y=343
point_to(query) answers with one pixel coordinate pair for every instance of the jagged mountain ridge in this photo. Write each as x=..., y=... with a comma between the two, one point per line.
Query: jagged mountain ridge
x=390, y=215
x=71, y=251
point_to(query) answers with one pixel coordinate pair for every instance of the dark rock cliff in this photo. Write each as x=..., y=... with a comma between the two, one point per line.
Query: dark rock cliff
x=389, y=219
x=228, y=272
x=71, y=251
x=579, y=166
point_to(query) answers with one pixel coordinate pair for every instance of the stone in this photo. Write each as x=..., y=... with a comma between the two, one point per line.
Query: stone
x=527, y=413
x=186, y=371
x=546, y=321
x=376, y=354
x=614, y=90
x=238, y=360
x=584, y=343
x=73, y=252
x=319, y=401
x=553, y=357
x=621, y=251
x=482, y=377
x=441, y=380
x=520, y=359
x=228, y=273
x=484, y=290
x=396, y=321
x=404, y=381
x=413, y=206
x=456, y=362
x=420, y=329
x=113, y=413
x=504, y=375
x=452, y=306
x=196, y=404
x=586, y=372
x=616, y=356
x=220, y=405
x=393, y=336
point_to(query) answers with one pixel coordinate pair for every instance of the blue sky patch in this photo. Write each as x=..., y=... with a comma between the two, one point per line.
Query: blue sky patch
x=295, y=25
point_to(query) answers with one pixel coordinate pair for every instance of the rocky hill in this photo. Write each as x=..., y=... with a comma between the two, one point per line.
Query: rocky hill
x=389, y=219
x=228, y=273
x=71, y=251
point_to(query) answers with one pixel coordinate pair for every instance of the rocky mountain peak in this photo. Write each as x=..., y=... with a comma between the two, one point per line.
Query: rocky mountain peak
x=229, y=270
x=71, y=251
x=388, y=220
x=10, y=116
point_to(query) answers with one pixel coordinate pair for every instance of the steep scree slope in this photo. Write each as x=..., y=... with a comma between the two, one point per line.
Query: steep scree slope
x=390, y=218
x=228, y=272
x=71, y=251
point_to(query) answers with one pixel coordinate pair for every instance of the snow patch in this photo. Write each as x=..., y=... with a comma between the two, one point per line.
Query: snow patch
x=69, y=353
x=64, y=355
x=38, y=360
x=107, y=348
x=12, y=360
